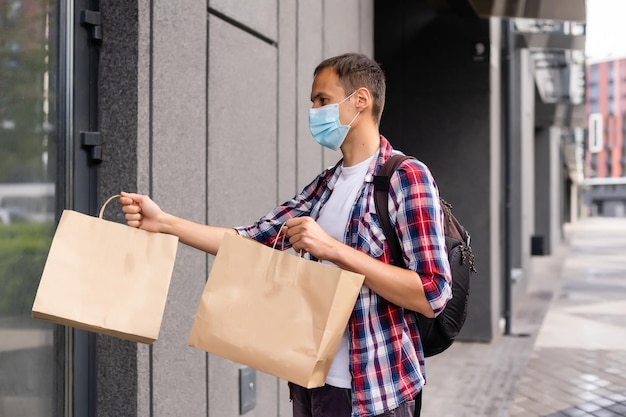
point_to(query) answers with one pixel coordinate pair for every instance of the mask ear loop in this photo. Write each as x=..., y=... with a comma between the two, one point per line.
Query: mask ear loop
x=353, y=119
x=357, y=115
x=347, y=98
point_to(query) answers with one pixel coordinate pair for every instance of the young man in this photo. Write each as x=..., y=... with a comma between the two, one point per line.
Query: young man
x=379, y=367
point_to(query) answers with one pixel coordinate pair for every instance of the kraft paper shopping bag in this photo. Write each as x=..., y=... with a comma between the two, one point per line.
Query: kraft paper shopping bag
x=106, y=277
x=274, y=311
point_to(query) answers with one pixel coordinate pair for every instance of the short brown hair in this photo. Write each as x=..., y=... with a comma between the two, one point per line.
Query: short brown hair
x=355, y=71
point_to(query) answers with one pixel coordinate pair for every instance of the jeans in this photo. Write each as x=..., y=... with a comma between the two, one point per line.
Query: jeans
x=329, y=401
x=411, y=408
x=326, y=401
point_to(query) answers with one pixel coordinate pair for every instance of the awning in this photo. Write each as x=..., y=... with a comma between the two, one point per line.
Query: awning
x=559, y=88
x=549, y=34
x=568, y=10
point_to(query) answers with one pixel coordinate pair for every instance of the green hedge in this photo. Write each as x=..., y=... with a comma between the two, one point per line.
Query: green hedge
x=23, y=251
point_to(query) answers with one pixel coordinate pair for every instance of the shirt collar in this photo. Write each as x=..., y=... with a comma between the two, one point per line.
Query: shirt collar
x=384, y=152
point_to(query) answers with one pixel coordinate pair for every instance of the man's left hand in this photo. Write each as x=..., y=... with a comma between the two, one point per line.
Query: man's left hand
x=306, y=235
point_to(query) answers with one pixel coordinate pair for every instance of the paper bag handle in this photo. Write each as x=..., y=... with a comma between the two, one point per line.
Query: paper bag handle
x=282, y=242
x=105, y=204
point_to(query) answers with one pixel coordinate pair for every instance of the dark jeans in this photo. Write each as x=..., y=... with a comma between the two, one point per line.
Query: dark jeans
x=329, y=401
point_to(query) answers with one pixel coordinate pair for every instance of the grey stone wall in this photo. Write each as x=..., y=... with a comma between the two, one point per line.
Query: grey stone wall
x=207, y=111
x=204, y=107
x=116, y=359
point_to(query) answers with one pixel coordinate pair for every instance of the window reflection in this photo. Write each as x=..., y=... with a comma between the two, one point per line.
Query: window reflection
x=27, y=177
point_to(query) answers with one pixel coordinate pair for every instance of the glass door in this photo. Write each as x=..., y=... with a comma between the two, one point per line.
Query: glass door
x=32, y=352
x=49, y=56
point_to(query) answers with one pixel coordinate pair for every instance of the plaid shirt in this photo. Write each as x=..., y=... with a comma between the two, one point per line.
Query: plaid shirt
x=387, y=360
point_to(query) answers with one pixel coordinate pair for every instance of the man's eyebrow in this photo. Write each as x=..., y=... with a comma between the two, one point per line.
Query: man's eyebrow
x=316, y=96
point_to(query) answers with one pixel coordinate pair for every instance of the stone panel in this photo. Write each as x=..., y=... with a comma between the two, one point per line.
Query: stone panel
x=259, y=15
x=143, y=97
x=223, y=387
x=179, y=166
x=143, y=175
x=309, y=54
x=242, y=169
x=242, y=114
x=342, y=34
x=342, y=27
x=366, y=27
x=287, y=99
x=527, y=158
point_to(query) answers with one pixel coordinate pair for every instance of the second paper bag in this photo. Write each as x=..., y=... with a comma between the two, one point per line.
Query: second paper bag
x=274, y=311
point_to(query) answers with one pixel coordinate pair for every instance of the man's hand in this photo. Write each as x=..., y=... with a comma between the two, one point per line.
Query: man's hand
x=306, y=235
x=141, y=212
x=398, y=285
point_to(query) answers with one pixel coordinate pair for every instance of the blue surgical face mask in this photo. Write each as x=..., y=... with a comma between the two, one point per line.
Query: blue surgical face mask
x=325, y=126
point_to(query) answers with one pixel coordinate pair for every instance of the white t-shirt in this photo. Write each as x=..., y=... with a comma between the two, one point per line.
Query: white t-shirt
x=333, y=218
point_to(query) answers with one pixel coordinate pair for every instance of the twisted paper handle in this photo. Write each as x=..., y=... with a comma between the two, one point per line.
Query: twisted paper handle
x=282, y=242
x=105, y=204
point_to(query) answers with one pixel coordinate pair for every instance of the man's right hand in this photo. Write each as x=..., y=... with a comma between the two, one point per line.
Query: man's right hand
x=140, y=211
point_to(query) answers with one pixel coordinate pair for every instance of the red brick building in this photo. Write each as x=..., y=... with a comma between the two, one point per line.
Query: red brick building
x=605, y=153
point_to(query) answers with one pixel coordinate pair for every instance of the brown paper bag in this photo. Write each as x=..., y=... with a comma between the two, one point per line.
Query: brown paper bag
x=274, y=311
x=106, y=277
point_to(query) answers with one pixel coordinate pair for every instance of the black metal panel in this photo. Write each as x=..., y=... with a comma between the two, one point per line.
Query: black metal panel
x=438, y=109
x=462, y=8
x=83, y=185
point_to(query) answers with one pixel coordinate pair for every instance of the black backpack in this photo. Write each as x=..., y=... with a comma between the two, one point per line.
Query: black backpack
x=437, y=334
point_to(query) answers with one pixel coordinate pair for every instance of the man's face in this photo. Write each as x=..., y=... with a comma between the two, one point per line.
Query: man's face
x=327, y=90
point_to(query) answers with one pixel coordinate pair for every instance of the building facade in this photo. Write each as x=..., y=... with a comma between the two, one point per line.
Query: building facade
x=605, y=156
x=203, y=105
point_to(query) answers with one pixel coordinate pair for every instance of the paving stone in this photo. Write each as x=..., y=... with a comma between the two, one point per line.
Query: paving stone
x=606, y=413
x=588, y=407
x=575, y=412
x=618, y=408
x=519, y=377
x=603, y=402
x=618, y=398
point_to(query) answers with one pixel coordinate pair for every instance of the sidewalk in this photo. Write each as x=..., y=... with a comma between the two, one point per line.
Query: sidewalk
x=573, y=361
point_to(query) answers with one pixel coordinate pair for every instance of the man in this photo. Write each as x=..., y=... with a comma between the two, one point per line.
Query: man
x=379, y=367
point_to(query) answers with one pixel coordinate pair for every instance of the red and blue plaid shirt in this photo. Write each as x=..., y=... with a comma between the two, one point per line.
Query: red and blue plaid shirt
x=387, y=360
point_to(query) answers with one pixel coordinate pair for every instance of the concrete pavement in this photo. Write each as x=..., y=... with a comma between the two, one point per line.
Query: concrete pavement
x=567, y=354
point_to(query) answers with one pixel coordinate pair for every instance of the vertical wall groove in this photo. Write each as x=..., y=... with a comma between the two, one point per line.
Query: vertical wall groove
x=150, y=174
x=277, y=189
x=297, y=93
x=206, y=185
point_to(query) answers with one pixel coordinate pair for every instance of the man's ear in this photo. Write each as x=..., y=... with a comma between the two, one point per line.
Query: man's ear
x=364, y=100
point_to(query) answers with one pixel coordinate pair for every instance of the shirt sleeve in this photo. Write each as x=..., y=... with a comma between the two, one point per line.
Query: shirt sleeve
x=420, y=229
x=266, y=229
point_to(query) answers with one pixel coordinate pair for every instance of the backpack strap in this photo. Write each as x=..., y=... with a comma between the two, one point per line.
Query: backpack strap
x=381, y=197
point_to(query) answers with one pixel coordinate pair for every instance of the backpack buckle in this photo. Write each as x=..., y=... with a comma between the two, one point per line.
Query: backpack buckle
x=381, y=182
